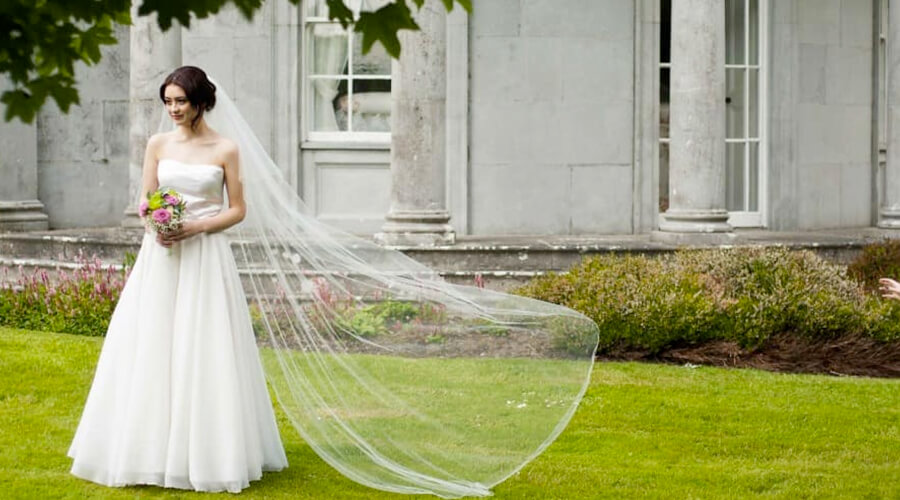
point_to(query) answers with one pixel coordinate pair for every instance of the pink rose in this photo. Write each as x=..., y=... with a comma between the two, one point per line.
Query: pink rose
x=171, y=200
x=162, y=216
x=145, y=207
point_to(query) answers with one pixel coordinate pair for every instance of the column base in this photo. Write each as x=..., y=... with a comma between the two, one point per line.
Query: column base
x=26, y=215
x=889, y=218
x=695, y=221
x=417, y=228
x=691, y=227
x=132, y=219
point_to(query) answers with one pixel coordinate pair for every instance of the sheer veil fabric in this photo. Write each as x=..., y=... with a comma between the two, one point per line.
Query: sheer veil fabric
x=398, y=379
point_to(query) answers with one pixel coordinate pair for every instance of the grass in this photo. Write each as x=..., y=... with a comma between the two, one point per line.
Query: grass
x=457, y=412
x=642, y=431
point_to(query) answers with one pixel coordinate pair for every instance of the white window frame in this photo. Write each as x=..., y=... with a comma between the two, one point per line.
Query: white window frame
x=312, y=138
x=746, y=218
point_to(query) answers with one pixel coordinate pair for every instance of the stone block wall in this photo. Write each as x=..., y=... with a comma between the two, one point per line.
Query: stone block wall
x=83, y=155
x=238, y=54
x=551, y=110
x=821, y=102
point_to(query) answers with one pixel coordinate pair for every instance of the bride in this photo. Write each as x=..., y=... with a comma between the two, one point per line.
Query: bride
x=395, y=377
x=179, y=398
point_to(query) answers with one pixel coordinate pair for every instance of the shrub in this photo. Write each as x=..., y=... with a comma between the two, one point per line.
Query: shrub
x=877, y=260
x=746, y=295
x=79, y=302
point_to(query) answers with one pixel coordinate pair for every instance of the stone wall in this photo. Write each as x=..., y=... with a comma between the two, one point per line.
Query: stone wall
x=238, y=54
x=821, y=101
x=83, y=155
x=551, y=110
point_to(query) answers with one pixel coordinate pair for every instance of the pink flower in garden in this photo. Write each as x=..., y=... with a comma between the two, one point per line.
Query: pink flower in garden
x=161, y=215
x=145, y=207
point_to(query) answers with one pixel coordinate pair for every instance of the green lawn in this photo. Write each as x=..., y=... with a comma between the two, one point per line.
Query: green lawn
x=643, y=431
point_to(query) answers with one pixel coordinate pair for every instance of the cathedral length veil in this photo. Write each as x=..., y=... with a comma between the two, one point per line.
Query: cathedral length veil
x=398, y=379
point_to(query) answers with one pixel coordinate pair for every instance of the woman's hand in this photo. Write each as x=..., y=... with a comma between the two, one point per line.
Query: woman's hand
x=188, y=228
x=889, y=288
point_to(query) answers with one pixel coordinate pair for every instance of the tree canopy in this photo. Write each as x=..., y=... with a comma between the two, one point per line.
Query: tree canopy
x=45, y=38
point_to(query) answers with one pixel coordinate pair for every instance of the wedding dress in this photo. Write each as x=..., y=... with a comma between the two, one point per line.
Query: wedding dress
x=396, y=378
x=179, y=397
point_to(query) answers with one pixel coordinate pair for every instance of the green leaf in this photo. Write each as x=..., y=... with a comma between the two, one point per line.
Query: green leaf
x=382, y=26
x=44, y=38
x=18, y=105
x=338, y=11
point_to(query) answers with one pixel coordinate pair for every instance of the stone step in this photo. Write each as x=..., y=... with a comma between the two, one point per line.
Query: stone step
x=501, y=262
x=495, y=280
x=520, y=256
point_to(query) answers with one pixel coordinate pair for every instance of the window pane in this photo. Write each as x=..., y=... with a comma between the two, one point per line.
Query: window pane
x=753, y=105
x=664, y=102
x=754, y=177
x=663, y=177
x=734, y=32
x=734, y=177
x=665, y=31
x=734, y=103
x=316, y=8
x=753, y=49
x=328, y=52
x=376, y=62
x=323, y=97
x=371, y=106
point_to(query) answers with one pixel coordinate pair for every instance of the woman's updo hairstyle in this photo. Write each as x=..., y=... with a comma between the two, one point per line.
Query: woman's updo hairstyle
x=201, y=92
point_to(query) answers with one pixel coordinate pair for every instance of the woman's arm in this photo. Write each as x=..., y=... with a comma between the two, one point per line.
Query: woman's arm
x=149, y=181
x=235, y=212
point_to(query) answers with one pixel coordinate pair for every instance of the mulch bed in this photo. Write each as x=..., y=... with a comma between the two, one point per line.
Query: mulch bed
x=849, y=355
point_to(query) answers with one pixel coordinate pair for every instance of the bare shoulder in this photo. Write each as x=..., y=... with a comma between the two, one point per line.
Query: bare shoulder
x=159, y=140
x=227, y=146
x=227, y=149
x=156, y=143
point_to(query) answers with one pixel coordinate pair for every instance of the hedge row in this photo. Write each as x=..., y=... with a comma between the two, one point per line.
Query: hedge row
x=690, y=297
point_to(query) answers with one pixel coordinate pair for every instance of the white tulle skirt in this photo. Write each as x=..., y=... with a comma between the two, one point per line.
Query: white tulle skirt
x=179, y=398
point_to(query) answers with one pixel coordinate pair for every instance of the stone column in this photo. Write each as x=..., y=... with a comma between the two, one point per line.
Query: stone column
x=20, y=209
x=697, y=124
x=418, y=214
x=889, y=215
x=153, y=55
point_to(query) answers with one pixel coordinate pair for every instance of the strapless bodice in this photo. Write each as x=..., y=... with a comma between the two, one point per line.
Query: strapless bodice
x=199, y=184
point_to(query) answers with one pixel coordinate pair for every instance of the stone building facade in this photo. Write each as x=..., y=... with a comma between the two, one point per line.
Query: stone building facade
x=680, y=118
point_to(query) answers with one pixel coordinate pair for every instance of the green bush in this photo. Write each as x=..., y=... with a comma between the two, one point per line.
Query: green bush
x=80, y=302
x=746, y=295
x=877, y=260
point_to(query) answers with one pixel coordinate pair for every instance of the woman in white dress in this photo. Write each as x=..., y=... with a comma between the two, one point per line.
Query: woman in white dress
x=179, y=398
x=398, y=379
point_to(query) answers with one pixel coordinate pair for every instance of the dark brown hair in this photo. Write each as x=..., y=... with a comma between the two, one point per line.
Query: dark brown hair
x=201, y=92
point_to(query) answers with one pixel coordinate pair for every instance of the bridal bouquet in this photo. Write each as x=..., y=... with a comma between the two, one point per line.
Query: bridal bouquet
x=163, y=210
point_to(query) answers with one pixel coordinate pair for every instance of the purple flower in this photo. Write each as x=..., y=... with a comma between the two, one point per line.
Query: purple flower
x=171, y=200
x=162, y=216
x=144, y=208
